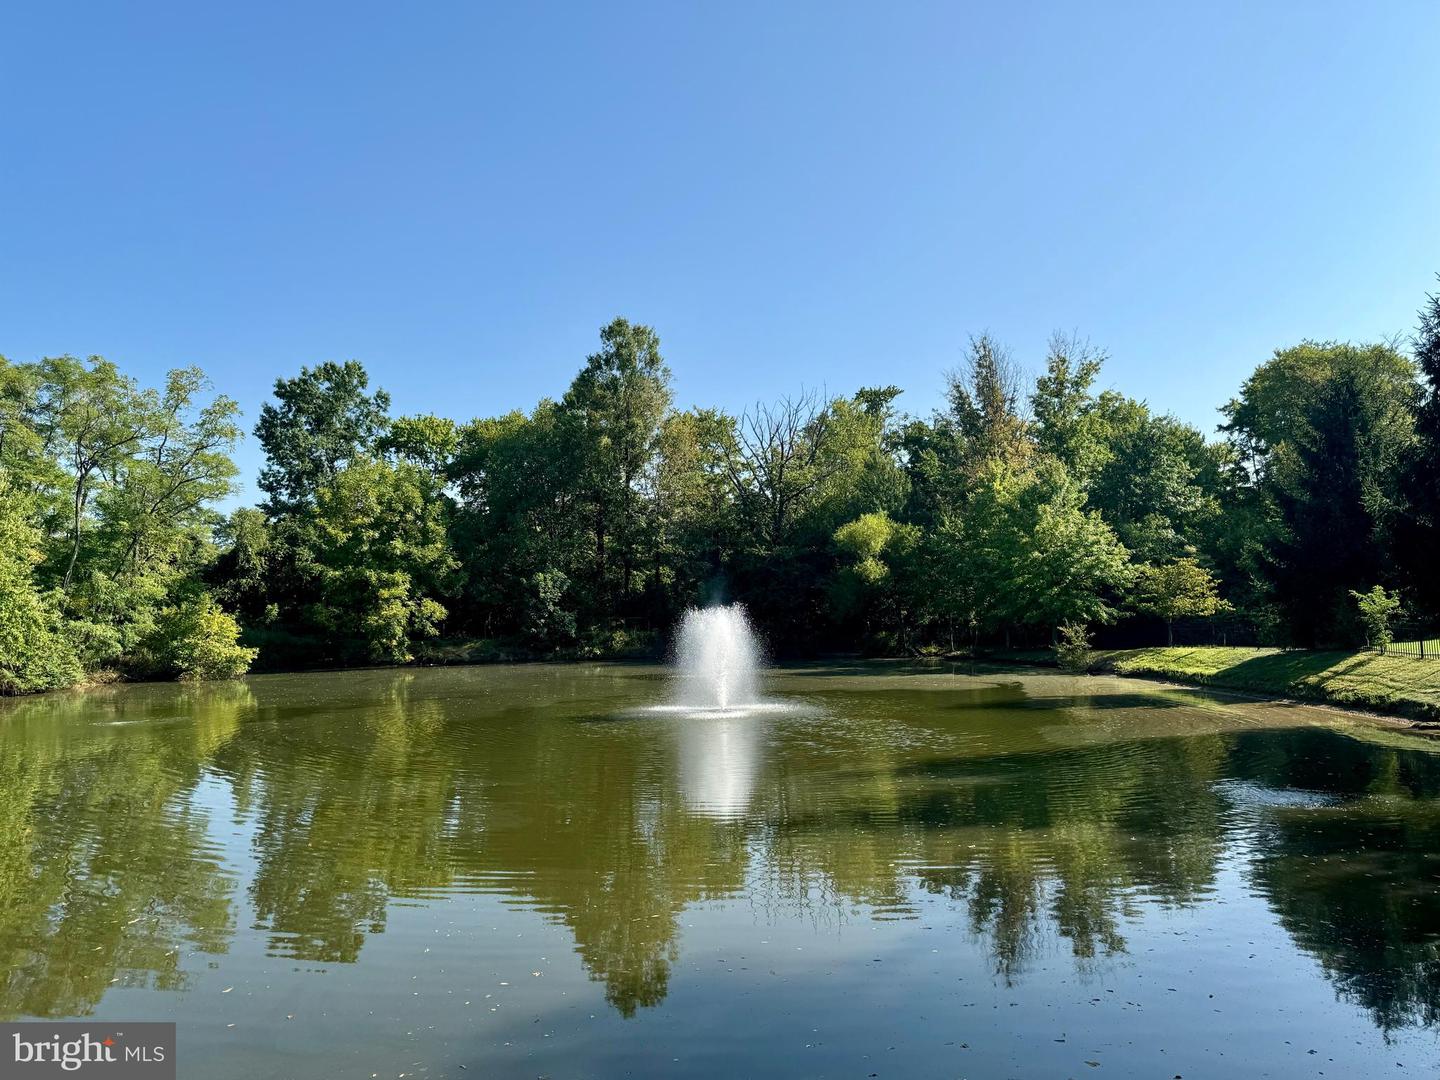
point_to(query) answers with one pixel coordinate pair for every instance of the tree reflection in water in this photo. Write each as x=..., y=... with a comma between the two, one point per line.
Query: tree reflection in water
x=1054, y=825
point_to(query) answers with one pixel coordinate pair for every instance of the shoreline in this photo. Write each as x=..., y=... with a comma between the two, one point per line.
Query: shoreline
x=1416, y=710
x=1335, y=686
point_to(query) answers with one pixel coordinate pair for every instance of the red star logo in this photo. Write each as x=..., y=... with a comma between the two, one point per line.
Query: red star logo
x=109, y=1042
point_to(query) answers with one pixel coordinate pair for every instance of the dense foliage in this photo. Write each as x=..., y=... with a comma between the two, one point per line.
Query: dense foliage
x=585, y=526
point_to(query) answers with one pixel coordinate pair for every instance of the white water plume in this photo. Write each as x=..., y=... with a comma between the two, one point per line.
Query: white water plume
x=718, y=660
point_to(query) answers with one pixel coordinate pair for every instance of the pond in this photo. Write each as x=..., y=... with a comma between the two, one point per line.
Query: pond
x=910, y=870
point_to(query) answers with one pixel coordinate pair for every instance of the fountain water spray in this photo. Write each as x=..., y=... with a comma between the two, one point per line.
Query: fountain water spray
x=718, y=659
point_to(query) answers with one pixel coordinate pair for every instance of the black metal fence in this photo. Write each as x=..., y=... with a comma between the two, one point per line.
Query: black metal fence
x=1419, y=641
x=1141, y=632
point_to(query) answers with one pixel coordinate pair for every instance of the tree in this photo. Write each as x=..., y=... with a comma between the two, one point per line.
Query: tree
x=695, y=518
x=1182, y=589
x=34, y=653
x=1376, y=608
x=1323, y=431
x=985, y=395
x=548, y=621
x=119, y=482
x=945, y=457
x=321, y=420
x=378, y=547
x=779, y=462
x=1070, y=565
x=1072, y=648
x=180, y=468
x=519, y=514
x=612, y=413
x=1418, y=531
x=1158, y=484
x=91, y=418
x=26, y=455
x=1027, y=552
x=428, y=441
x=876, y=550
x=1069, y=422
x=243, y=574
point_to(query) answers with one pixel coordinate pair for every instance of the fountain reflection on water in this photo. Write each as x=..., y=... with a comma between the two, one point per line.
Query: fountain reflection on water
x=718, y=763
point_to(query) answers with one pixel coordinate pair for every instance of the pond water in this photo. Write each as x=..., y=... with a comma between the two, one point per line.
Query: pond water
x=914, y=871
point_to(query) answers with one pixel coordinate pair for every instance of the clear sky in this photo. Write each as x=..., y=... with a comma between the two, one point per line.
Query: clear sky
x=823, y=194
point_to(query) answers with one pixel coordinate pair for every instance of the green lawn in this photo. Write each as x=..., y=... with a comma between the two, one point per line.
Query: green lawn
x=1403, y=685
x=1413, y=646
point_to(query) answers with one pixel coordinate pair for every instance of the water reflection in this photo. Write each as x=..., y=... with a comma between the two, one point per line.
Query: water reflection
x=1038, y=820
x=107, y=868
x=718, y=759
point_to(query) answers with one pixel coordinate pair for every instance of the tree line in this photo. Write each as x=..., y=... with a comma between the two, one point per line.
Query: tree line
x=1022, y=509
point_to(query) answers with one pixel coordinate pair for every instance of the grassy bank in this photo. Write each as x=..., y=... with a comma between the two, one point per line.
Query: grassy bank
x=1402, y=686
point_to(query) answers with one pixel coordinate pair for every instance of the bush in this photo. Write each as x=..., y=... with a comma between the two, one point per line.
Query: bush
x=617, y=643
x=1072, y=648
x=197, y=641
x=35, y=654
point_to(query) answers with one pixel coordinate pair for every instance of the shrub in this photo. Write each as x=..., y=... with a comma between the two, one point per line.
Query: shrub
x=197, y=641
x=35, y=654
x=1072, y=648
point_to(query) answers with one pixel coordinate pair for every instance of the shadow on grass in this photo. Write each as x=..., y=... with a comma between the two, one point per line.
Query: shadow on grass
x=1287, y=670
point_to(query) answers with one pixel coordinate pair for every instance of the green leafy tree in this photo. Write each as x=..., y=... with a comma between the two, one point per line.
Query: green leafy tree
x=150, y=532
x=612, y=415
x=786, y=459
x=321, y=420
x=120, y=482
x=1376, y=608
x=1072, y=566
x=985, y=396
x=1159, y=485
x=955, y=566
x=799, y=468
x=1070, y=423
x=1182, y=589
x=34, y=652
x=243, y=573
x=379, y=551
x=695, y=513
x=876, y=551
x=1039, y=557
x=548, y=621
x=428, y=441
x=1324, y=430
x=28, y=448
x=520, y=513
x=92, y=420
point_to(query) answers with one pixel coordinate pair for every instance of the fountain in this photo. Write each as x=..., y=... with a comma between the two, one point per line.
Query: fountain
x=718, y=658
x=719, y=726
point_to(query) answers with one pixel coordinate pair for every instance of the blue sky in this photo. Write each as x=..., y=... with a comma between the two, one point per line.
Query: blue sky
x=825, y=194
